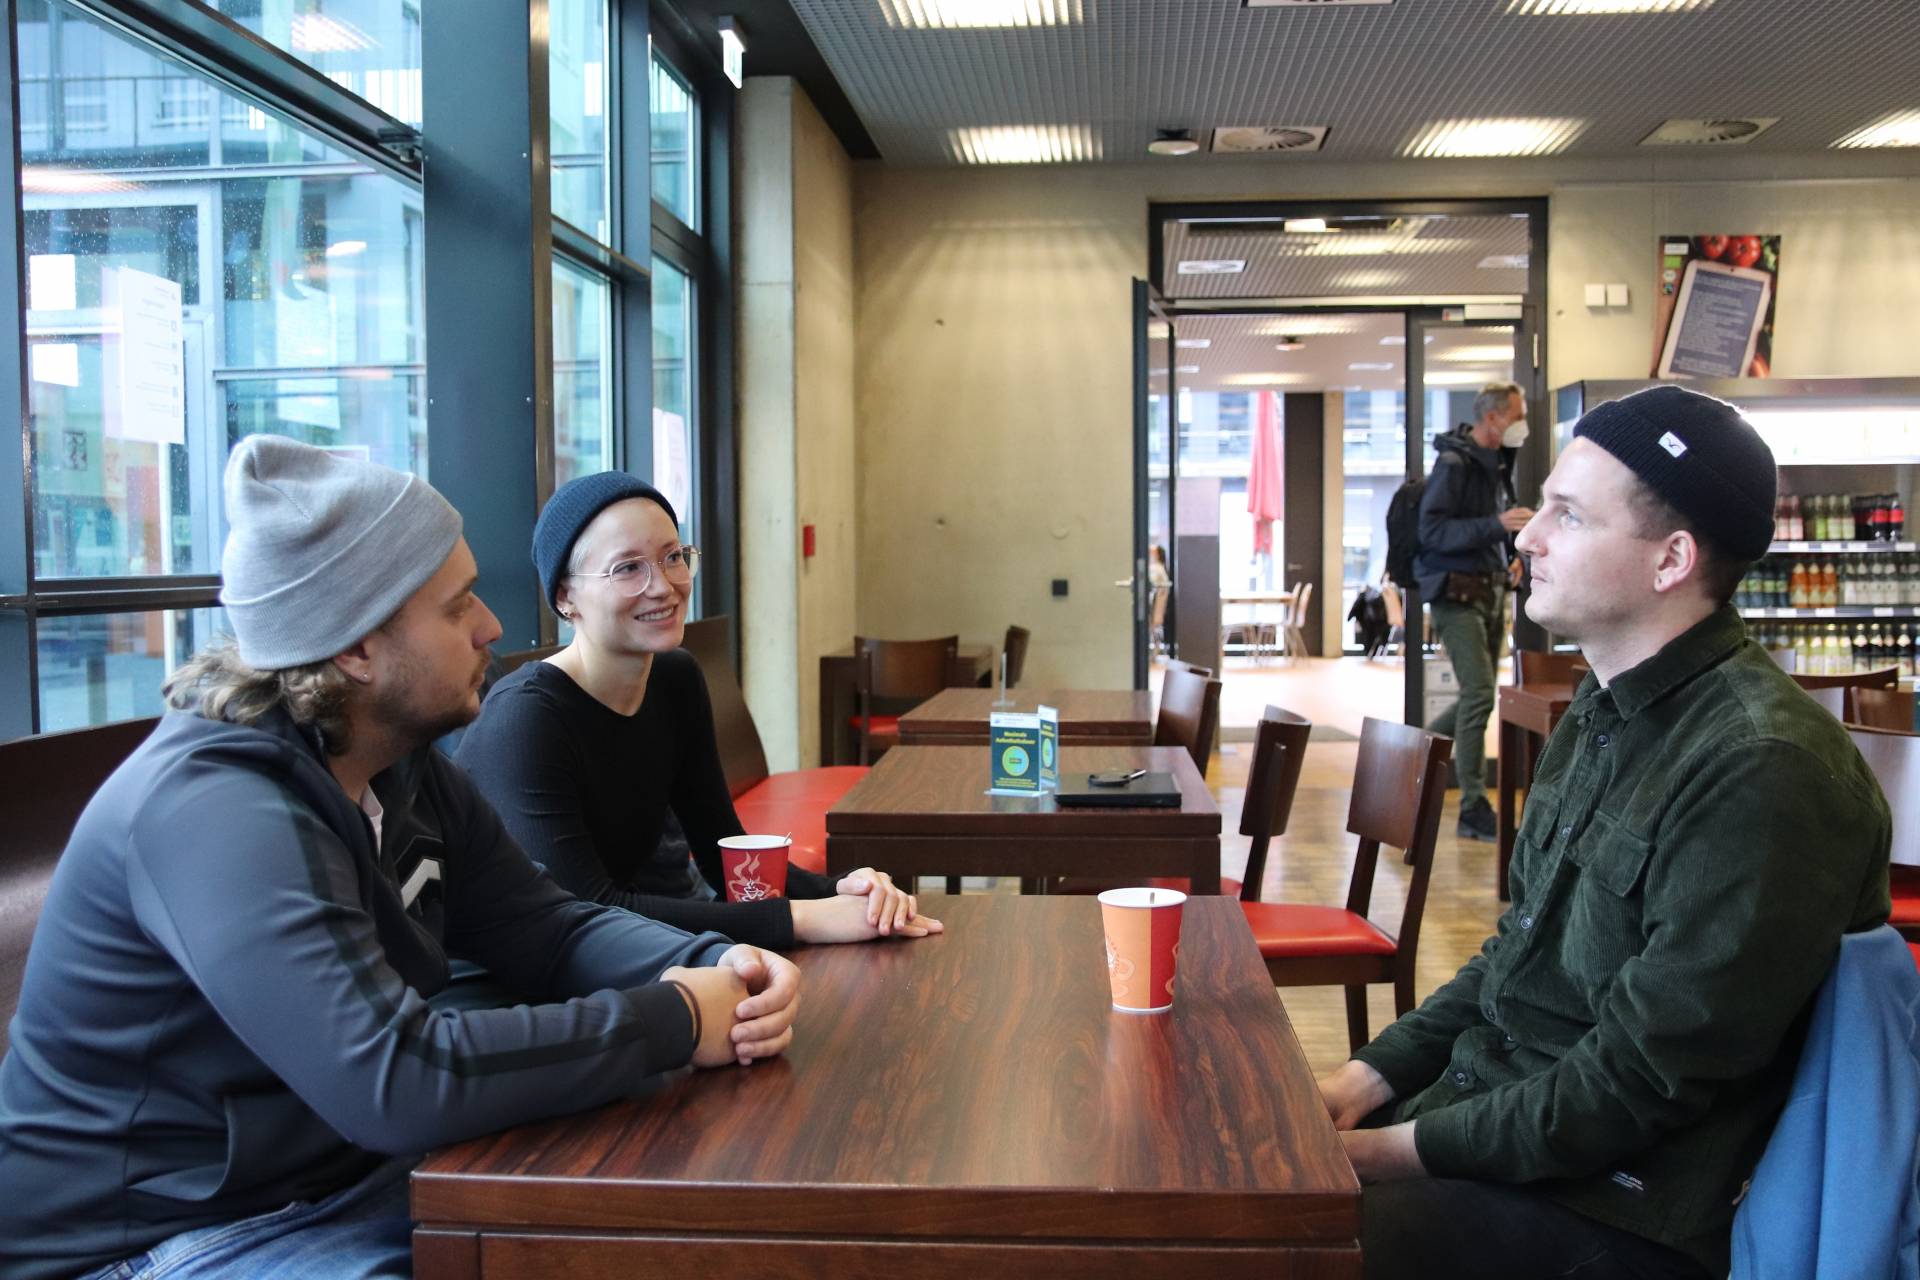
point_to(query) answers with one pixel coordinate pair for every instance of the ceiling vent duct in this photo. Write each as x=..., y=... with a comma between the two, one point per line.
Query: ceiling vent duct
x=1260, y=140
x=1728, y=132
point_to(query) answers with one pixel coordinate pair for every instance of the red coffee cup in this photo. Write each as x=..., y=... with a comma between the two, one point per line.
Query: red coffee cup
x=755, y=867
x=1143, y=943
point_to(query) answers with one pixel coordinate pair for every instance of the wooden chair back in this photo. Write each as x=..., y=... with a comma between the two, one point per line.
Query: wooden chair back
x=1399, y=782
x=1888, y=678
x=1895, y=761
x=1189, y=713
x=743, y=757
x=1879, y=708
x=50, y=779
x=1535, y=668
x=890, y=676
x=1015, y=653
x=1280, y=748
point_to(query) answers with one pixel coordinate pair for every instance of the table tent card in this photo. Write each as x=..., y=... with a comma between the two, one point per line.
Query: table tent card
x=1014, y=741
x=1049, y=749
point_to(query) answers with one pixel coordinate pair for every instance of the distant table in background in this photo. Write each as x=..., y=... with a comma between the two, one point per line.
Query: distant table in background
x=965, y=1105
x=1527, y=717
x=1264, y=609
x=1088, y=717
x=925, y=811
x=840, y=700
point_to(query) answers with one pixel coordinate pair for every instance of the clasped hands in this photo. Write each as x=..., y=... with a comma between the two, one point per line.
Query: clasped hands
x=867, y=904
x=743, y=1007
x=1353, y=1093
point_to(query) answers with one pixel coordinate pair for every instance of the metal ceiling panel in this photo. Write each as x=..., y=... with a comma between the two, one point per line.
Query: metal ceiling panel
x=1428, y=256
x=1241, y=354
x=1375, y=74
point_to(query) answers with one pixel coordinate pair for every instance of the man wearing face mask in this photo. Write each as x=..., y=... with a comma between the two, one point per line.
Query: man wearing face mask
x=1467, y=519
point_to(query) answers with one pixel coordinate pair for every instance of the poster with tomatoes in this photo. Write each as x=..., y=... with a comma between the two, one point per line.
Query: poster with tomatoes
x=1728, y=286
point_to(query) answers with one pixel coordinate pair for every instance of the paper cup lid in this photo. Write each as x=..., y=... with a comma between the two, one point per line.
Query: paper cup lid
x=755, y=842
x=1142, y=896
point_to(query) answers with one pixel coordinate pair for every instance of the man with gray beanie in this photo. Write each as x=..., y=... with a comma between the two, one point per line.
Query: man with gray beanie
x=1591, y=1092
x=225, y=1061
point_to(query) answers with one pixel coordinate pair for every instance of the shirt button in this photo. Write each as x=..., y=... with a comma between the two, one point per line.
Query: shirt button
x=1603, y=739
x=1526, y=922
x=1489, y=1011
x=1460, y=1078
x=1566, y=833
x=1511, y=1042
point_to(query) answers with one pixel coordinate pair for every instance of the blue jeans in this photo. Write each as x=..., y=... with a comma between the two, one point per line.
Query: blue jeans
x=362, y=1233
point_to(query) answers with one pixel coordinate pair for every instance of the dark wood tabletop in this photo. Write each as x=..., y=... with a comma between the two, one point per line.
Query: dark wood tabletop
x=1528, y=714
x=926, y=811
x=1088, y=717
x=963, y=1102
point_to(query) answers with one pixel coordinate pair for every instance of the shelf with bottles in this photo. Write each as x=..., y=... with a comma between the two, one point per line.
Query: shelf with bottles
x=1858, y=521
x=1834, y=611
x=1787, y=584
x=1848, y=547
x=1843, y=648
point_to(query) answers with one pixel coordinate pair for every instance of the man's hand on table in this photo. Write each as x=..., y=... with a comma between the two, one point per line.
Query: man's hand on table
x=889, y=908
x=845, y=918
x=1383, y=1155
x=745, y=1005
x=1353, y=1093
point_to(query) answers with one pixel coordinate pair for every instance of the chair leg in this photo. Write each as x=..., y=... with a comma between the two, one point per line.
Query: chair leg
x=1403, y=995
x=953, y=885
x=1357, y=1017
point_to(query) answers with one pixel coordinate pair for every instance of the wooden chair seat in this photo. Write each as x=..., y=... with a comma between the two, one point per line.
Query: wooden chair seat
x=883, y=726
x=894, y=676
x=828, y=784
x=1283, y=929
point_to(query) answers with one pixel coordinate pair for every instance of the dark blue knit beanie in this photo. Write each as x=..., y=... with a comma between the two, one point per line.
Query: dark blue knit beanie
x=571, y=509
x=1700, y=455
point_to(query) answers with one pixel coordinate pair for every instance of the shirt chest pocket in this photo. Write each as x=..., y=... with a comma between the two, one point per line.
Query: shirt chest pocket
x=1604, y=904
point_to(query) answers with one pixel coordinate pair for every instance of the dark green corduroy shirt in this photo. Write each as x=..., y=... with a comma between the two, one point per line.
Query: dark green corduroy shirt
x=1699, y=835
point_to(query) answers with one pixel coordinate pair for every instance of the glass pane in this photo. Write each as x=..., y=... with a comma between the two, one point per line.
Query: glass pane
x=582, y=407
x=368, y=47
x=109, y=666
x=673, y=407
x=177, y=301
x=673, y=106
x=577, y=105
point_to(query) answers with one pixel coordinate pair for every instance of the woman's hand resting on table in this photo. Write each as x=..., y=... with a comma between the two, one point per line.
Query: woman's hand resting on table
x=867, y=905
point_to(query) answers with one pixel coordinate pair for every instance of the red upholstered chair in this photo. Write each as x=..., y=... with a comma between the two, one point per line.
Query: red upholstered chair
x=770, y=804
x=1915, y=948
x=1398, y=785
x=1895, y=761
x=892, y=676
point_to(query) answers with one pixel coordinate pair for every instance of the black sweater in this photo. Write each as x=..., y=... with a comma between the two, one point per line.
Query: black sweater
x=586, y=790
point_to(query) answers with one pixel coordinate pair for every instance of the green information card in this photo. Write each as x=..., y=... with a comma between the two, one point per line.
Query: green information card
x=1049, y=748
x=1014, y=739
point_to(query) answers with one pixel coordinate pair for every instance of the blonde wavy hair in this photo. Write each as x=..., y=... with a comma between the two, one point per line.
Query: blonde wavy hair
x=217, y=684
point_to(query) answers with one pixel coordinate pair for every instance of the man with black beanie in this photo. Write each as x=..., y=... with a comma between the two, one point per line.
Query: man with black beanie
x=1591, y=1092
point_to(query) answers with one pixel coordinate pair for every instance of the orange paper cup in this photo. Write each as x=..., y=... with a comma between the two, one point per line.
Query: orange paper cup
x=755, y=867
x=1143, y=942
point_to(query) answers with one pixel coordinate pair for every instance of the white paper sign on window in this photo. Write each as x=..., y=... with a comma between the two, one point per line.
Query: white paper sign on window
x=672, y=469
x=142, y=360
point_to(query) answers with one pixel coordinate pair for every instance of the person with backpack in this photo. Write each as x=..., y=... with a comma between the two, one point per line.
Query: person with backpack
x=1467, y=517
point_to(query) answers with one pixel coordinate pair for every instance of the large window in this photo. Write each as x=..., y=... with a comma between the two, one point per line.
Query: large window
x=582, y=404
x=673, y=391
x=99, y=667
x=577, y=96
x=369, y=47
x=675, y=137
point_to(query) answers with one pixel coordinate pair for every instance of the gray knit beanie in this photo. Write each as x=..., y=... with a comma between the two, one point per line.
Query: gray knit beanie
x=322, y=549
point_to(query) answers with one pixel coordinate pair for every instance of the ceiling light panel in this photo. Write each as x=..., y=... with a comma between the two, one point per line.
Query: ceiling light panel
x=1193, y=344
x=1210, y=266
x=1476, y=355
x=1023, y=144
x=1606, y=6
x=1263, y=379
x=1537, y=136
x=1901, y=129
x=1305, y=326
x=947, y=15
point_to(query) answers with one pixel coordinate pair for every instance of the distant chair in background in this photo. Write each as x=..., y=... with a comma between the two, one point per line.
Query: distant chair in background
x=1531, y=667
x=1294, y=626
x=1833, y=697
x=1895, y=761
x=1871, y=708
x=1189, y=712
x=892, y=676
x=1886, y=678
x=1014, y=653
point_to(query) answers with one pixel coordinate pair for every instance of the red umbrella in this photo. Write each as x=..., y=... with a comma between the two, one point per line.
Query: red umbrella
x=1263, y=480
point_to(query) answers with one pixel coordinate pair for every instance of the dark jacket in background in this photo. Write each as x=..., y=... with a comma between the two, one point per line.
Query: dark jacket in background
x=1460, y=530
x=225, y=1006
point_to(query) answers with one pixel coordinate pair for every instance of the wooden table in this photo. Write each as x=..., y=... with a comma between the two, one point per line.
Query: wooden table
x=1088, y=717
x=839, y=698
x=1527, y=717
x=960, y=1106
x=925, y=811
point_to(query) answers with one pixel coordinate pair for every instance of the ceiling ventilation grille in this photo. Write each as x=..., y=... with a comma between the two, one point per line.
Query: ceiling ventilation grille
x=1709, y=133
x=1269, y=139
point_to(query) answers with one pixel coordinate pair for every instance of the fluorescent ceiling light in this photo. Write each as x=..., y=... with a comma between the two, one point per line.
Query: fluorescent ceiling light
x=1296, y=326
x=1275, y=379
x=1901, y=129
x=41, y=178
x=943, y=15
x=1495, y=137
x=1400, y=340
x=1159, y=330
x=1211, y=267
x=1370, y=366
x=1186, y=368
x=1607, y=6
x=1304, y=226
x=1023, y=144
x=1475, y=355
x=1507, y=261
x=1368, y=279
x=1193, y=344
x=318, y=33
x=346, y=248
x=1461, y=377
x=1288, y=344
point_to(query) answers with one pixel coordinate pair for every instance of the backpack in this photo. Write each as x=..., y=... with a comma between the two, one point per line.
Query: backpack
x=1403, y=531
x=1372, y=632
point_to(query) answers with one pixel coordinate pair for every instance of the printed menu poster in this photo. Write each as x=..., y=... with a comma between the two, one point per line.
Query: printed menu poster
x=1714, y=303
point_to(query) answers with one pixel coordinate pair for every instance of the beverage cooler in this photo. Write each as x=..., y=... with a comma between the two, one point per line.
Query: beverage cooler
x=1839, y=590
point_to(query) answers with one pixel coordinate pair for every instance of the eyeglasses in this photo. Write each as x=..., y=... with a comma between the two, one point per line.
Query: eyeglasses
x=631, y=577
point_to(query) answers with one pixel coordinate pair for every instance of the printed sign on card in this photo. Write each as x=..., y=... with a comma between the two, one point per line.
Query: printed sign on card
x=1049, y=748
x=1014, y=739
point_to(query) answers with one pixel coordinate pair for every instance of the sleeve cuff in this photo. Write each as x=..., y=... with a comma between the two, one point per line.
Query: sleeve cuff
x=1440, y=1138
x=1404, y=1073
x=802, y=883
x=662, y=1010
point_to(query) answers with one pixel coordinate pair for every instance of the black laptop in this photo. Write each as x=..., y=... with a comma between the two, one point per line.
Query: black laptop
x=1148, y=791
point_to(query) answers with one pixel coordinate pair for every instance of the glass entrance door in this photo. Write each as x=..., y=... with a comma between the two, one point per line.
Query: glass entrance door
x=1155, y=430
